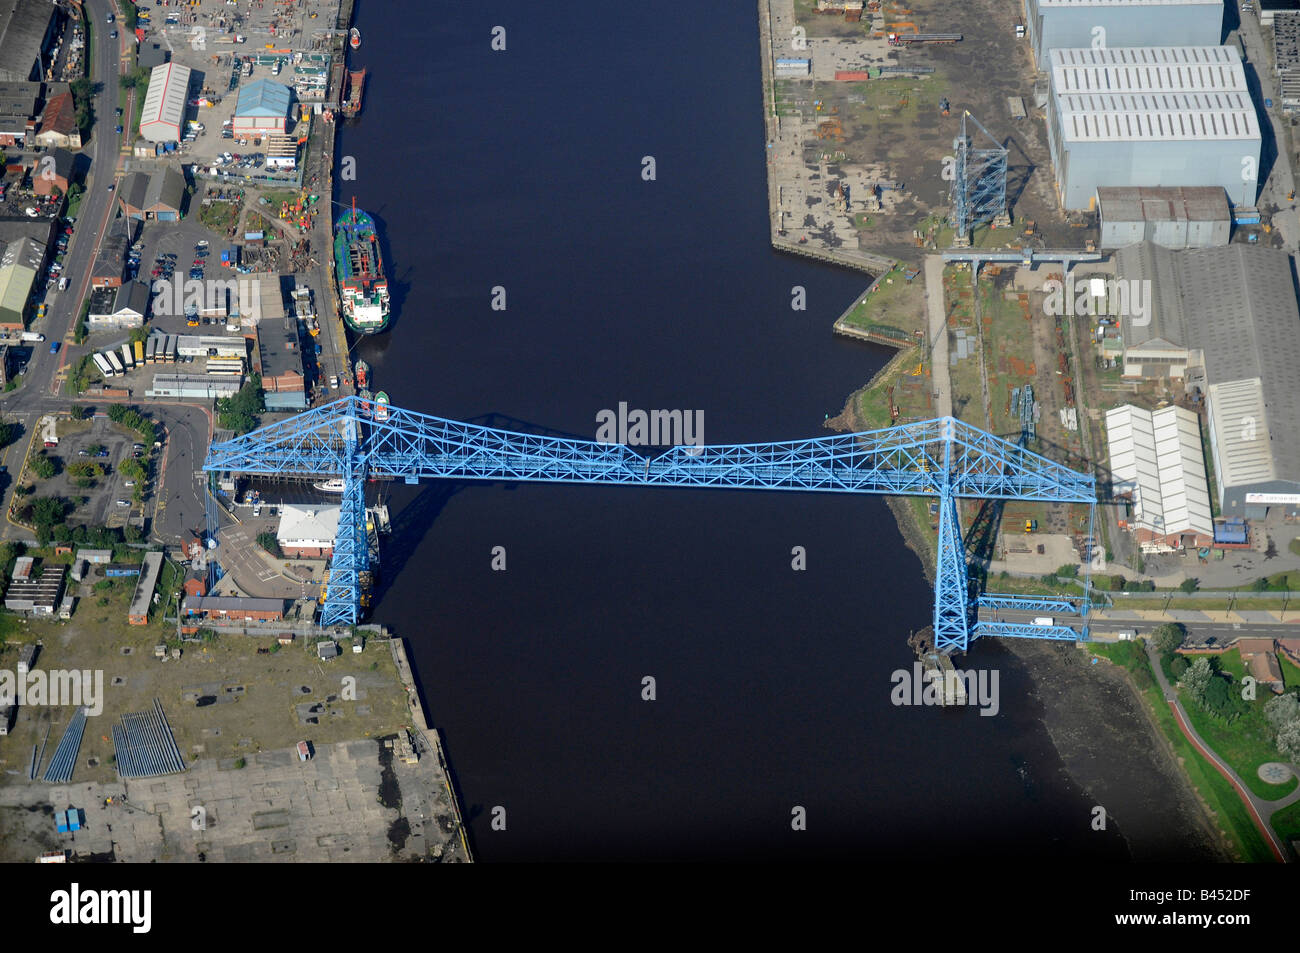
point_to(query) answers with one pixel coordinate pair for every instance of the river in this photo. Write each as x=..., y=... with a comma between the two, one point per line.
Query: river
x=522, y=169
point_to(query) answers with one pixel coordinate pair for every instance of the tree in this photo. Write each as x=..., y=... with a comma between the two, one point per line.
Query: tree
x=132, y=533
x=78, y=411
x=1178, y=666
x=1168, y=637
x=1189, y=585
x=1279, y=709
x=1197, y=679
x=1288, y=740
x=1068, y=571
x=8, y=433
x=44, y=467
x=239, y=413
x=1260, y=584
x=268, y=542
x=48, y=510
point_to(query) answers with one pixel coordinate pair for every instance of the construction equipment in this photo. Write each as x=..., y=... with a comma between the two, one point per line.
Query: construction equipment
x=943, y=107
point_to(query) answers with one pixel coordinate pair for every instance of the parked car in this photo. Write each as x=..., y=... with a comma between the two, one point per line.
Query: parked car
x=123, y=503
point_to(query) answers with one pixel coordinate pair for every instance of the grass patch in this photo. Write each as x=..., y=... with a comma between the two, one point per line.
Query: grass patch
x=1287, y=822
x=1246, y=742
x=219, y=216
x=1232, y=816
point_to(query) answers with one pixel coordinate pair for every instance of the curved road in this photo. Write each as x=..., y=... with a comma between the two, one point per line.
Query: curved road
x=1261, y=811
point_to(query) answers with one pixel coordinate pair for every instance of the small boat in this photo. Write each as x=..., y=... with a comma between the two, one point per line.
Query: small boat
x=354, y=38
x=330, y=486
x=363, y=375
x=381, y=406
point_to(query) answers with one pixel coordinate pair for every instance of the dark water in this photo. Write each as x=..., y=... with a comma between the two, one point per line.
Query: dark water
x=522, y=169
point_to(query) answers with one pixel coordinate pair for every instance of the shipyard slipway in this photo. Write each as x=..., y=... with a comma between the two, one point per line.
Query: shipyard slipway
x=355, y=440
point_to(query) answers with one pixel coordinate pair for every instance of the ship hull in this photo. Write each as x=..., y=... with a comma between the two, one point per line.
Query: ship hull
x=359, y=270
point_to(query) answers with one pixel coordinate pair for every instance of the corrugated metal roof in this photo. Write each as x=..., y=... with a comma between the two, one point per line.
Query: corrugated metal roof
x=1163, y=93
x=1237, y=306
x=15, y=285
x=165, y=102
x=1156, y=456
x=1242, y=441
x=1173, y=203
x=263, y=99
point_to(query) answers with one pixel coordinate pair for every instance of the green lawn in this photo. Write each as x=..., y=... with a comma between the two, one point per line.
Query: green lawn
x=1224, y=802
x=1287, y=822
x=1245, y=743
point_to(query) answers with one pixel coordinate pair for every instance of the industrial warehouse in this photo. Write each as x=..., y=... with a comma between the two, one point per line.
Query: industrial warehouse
x=1065, y=24
x=1151, y=116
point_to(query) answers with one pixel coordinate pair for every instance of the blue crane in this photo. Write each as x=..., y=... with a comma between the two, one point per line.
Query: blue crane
x=356, y=440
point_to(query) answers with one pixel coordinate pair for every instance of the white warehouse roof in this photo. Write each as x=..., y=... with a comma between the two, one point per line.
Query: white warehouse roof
x=164, y=104
x=1239, y=418
x=1156, y=456
x=308, y=525
x=1153, y=93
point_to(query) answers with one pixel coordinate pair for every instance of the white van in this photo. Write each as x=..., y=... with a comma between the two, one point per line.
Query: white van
x=1044, y=620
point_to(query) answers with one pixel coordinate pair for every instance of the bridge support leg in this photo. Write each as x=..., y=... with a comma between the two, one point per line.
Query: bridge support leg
x=951, y=584
x=351, y=555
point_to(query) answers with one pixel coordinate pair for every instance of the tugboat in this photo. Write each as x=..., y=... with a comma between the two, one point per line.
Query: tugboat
x=381, y=406
x=363, y=375
x=363, y=288
x=354, y=38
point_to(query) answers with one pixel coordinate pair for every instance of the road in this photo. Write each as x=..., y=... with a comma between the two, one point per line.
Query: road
x=189, y=426
x=1261, y=811
x=1281, y=182
x=940, y=381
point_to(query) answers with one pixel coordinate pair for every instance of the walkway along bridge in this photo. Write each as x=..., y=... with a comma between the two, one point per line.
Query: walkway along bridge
x=357, y=440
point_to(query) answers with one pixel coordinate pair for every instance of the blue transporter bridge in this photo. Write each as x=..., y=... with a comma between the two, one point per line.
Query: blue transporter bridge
x=944, y=457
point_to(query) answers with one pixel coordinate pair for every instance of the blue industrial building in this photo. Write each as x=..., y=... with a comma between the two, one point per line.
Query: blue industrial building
x=1148, y=116
x=1066, y=24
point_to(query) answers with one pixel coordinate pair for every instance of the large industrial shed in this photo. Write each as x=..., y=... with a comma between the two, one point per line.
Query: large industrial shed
x=1073, y=24
x=165, y=103
x=1171, y=217
x=1151, y=116
x=1228, y=319
x=1156, y=463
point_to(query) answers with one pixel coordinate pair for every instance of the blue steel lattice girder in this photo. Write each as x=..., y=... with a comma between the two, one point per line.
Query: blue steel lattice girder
x=906, y=460
x=951, y=582
x=943, y=457
x=351, y=555
x=1059, y=606
x=1020, y=630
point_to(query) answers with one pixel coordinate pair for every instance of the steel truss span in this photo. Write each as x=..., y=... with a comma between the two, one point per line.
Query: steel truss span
x=356, y=440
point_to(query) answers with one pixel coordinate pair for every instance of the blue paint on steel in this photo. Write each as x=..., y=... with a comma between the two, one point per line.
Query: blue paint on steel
x=943, y=457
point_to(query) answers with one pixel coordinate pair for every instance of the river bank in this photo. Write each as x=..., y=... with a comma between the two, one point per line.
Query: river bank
x=1089, y=711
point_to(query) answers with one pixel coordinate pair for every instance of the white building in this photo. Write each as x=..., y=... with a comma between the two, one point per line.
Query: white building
x=1156, y=461
x=307, y=532
x=165, y=103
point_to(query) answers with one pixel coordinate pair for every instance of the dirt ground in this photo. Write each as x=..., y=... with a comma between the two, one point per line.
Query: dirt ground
x=894, y=128
x=1113, y=750
x=222, y=698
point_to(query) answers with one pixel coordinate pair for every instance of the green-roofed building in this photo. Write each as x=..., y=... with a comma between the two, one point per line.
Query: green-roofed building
x=15, y=293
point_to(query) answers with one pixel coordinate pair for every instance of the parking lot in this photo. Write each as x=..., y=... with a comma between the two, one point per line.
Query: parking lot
x=107, y=503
